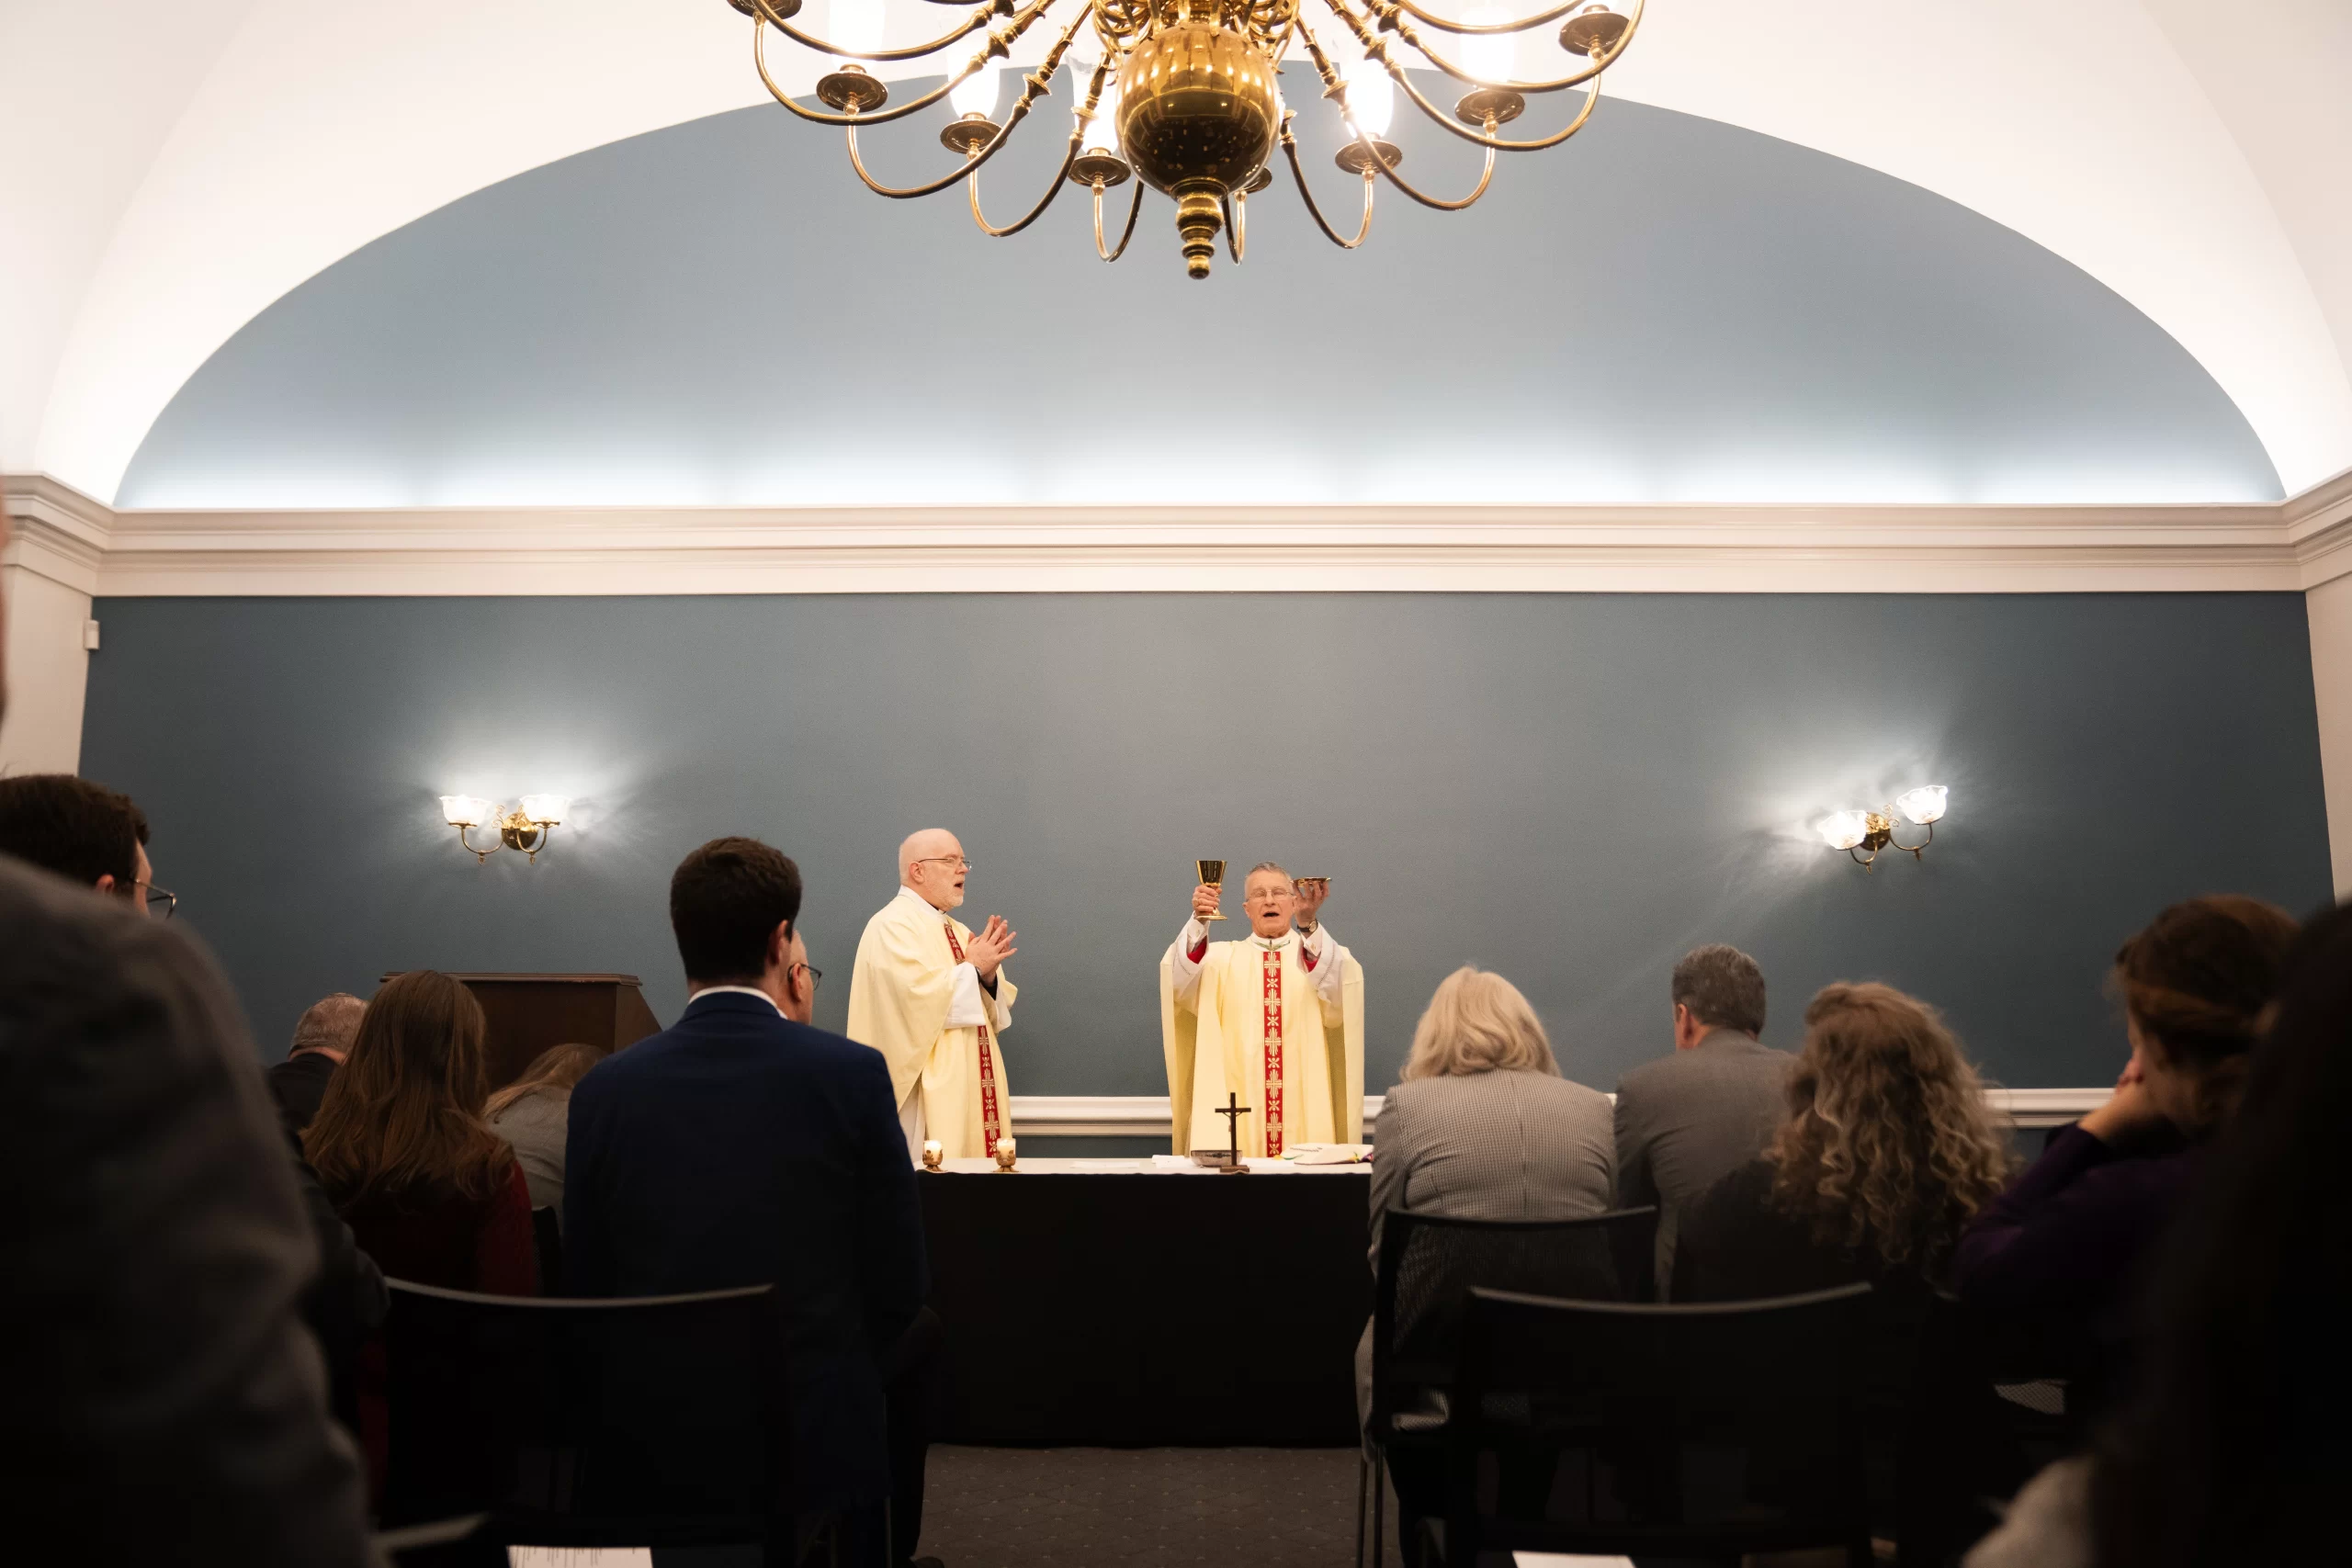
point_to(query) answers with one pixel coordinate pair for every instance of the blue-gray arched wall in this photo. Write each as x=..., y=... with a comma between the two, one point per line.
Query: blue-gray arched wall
x=1666, y=309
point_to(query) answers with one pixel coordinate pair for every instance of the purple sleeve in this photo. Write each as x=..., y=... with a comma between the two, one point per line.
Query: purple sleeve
x=2068, y=1231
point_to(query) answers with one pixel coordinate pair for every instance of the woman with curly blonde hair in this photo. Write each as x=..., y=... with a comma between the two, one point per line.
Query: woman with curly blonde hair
x=1888, y=1152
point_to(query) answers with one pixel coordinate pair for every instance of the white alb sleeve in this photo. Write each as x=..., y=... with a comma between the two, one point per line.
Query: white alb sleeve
x=1183, y=966
x=1330, y=964
x=966, y=1004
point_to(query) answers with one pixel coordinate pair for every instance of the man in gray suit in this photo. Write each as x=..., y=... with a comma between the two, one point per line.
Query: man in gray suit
x=164, y=1404
x=1686, y=1122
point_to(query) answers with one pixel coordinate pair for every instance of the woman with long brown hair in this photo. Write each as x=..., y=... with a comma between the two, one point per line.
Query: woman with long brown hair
x=432, y=1194
x=1887, y=1153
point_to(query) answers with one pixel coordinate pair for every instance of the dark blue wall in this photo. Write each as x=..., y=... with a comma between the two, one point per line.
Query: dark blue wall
x=1572, y=789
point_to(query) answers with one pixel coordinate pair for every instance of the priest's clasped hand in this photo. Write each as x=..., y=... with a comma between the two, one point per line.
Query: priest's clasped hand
x=990, y=946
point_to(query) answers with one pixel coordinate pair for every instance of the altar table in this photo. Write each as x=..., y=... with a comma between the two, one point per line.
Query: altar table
x=1103, y=1302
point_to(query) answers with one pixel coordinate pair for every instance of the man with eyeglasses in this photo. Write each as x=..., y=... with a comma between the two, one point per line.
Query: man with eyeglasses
x=931, y=994
x=85, y=831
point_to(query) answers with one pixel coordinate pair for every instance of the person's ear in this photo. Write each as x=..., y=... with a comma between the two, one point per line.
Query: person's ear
x=779, y=944
x=105, y=884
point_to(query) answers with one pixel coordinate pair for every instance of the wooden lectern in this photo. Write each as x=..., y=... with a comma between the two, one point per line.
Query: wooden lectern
x=528, y=1013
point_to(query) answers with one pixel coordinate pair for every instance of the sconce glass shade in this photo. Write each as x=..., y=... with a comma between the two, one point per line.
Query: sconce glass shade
x=547, y=809
x=1923, y=805
x=466, y=810
x=1844, y=830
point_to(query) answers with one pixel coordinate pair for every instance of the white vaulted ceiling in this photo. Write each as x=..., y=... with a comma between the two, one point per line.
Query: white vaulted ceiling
x=165, y=175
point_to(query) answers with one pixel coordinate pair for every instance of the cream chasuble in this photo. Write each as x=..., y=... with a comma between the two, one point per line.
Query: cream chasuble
x=914, y=997
x=1279, y=1022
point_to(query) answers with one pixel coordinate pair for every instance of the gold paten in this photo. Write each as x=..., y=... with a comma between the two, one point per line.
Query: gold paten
x=1199, y=110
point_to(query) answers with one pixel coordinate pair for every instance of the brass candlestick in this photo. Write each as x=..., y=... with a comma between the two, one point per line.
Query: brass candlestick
x=1006, y=1152
x=934, y=1155
x=1213, y=878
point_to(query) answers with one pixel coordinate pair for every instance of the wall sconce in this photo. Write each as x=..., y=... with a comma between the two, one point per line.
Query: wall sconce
x=525, y=828
x=1874, y=831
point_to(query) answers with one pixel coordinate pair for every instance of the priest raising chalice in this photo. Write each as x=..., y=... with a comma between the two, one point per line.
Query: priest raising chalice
x=1276, y=1017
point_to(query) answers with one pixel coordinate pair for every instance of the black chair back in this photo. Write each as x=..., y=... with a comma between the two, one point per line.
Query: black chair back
x=636, y=1421
x=1605, y=1428
x=1429, y=1264
x=547, y=1240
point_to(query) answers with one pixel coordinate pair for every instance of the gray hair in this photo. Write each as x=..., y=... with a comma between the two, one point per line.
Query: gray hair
x=1267, y=865
x=1478, y=1022
x=331, y=1023
x=1723, y=988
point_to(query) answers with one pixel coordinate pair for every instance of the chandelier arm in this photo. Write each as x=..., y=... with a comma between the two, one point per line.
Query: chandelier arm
x=978, y=18
x=1032, y=85
x=1519, y=26
x=1485, y=178
x=1061, y=178
x=1386, y=12
x=1236, y=213
x=1134, y=209
x=1290, y=149
x=818, y=117
x=1497, y=144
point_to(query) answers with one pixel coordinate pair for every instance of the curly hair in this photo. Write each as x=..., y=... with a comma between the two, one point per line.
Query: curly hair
x=1889, y=1148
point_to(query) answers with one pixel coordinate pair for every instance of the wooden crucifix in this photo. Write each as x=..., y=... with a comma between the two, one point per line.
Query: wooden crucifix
x=1233, y=1112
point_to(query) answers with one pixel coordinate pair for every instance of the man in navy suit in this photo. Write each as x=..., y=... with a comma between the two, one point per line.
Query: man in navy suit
x=742, y=1146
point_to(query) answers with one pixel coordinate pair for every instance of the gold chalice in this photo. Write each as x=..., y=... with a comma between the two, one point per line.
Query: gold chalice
x=934, y=1155
x=1213, y=877
x=1007, y=1151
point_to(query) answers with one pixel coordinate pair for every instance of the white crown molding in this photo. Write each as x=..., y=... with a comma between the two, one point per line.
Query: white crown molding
x=1146, y=1115
x=686, y=550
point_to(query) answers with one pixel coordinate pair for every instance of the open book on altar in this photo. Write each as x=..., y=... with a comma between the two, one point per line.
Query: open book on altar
x=1328, y=1154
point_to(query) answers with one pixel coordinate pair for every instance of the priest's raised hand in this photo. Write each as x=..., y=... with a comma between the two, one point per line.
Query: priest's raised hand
x=1277, y=1019
x=932, y=995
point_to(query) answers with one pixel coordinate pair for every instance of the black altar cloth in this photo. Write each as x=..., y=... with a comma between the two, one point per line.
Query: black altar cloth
x=1114, y=1310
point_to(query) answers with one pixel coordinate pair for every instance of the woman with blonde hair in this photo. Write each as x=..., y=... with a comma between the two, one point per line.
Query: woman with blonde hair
x=1888, y=1152
x=534, y=1113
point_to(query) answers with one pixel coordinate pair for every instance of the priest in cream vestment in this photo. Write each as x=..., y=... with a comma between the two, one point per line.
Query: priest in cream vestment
x=932, y=996
x=1276, y=1017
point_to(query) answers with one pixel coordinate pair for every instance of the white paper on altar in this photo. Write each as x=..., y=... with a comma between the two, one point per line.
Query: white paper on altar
x=580, y=1557
x=1565, y=1559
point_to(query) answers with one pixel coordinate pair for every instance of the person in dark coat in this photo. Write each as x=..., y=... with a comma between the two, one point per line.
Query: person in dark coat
x=322, y=1040
x=742, y=1147
x=2056, y=1259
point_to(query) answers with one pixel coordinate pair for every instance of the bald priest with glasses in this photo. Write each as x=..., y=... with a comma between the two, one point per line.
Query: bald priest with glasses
x=1275, y=1018
x=932, y=995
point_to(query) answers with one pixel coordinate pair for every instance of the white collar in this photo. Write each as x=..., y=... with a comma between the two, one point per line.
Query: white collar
x=733, y=990
x=928, y=906
x=1272, y=943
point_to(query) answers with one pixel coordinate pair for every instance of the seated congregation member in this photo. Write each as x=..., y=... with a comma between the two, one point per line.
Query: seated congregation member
x=322, y=1040
x=2233, y=1450
x=1887, y=1153
x=436, y=1196
x=164, y=1404
x=1686, y=1121
x=97, y=837
x=533, y=1112
x=2056, y=1258
x=742, y=1147
x=1482, y=1126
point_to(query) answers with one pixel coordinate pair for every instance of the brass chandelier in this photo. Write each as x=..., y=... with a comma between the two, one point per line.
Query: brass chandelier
x=1184, y=98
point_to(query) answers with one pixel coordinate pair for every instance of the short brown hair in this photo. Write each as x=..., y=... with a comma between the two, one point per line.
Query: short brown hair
x=72, y=827
x=724, y=900
x=403, y=1115
x=2197, y=980
x=1723, y=988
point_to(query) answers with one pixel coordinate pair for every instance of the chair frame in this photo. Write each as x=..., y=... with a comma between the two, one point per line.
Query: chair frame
x=1467, y=1538
x=1632, y=1235
x=557, y=1529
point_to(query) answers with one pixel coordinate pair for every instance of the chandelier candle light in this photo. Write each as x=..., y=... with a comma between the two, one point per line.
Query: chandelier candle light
x=1184, y=98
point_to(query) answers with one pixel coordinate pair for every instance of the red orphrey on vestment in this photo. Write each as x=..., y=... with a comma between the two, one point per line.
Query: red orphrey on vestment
x=1274, y=1003
x=991, y=1128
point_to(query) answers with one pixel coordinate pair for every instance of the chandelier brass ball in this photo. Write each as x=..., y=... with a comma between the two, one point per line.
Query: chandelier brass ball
x=1197, y=114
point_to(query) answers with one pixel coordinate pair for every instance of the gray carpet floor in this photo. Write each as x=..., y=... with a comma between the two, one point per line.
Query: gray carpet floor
x=1142, y=1507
